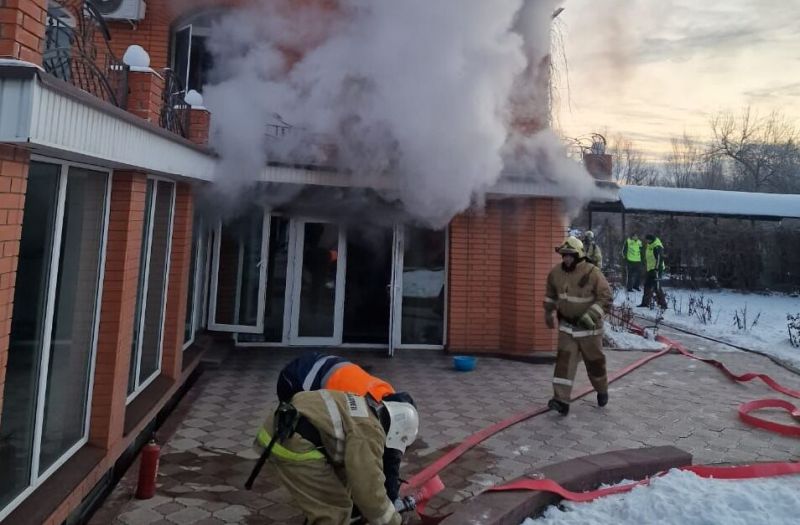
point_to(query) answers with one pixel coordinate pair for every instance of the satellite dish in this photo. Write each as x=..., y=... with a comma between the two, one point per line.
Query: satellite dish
x=107, y=6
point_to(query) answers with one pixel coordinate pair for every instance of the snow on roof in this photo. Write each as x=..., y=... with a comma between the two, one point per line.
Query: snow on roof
x=709, y=202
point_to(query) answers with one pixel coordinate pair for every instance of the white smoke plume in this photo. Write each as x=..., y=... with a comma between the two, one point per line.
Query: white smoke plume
x=433, y=98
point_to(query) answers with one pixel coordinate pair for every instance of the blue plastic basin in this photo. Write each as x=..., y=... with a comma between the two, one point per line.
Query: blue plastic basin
x=464, y=363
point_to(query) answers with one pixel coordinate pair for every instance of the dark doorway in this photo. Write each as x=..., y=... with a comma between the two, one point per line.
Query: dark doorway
x=369, y=275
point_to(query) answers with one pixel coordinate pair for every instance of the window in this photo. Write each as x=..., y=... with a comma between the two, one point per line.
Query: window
x=191, y=58
x=197, y=279
x=45, y=414
x=148, y=323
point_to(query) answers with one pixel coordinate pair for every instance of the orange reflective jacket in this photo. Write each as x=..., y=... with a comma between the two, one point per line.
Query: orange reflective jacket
x=352, y=378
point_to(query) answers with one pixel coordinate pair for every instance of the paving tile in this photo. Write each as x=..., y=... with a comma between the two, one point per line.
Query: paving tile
x=188, y=515
x=205, y=464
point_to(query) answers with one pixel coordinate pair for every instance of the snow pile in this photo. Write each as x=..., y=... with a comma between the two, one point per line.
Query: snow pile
x=683, y=498
x=625, y=340
x=769, y=335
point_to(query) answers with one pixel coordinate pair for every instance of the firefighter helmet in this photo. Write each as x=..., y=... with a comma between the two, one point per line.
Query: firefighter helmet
x=403, y=424
x=589, y=235
x=571, y=246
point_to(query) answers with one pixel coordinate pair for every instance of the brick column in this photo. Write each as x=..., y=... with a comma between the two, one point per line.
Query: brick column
x=145, y=91
x=22, y=26
x=14, y=163
x=499, y=261
x=118, y=308
x=199, y=125
x=180, y=262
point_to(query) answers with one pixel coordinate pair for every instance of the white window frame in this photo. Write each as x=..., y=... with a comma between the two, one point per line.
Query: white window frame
x=297, y=241
x=291, y=301
x=139, y=387
x=194, y=30
x=262, y=282
x=396, y=323
x=195, y=316
x=37, y=479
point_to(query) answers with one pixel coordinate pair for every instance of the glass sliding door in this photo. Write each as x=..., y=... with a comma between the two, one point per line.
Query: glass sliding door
x=318, y=277
x=47, y=393
x=153, y=277
x=419, y=303
x=239, y=273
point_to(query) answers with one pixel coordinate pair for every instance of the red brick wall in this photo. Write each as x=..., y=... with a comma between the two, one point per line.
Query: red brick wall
x=22, y=24
x=153, y=33
x=180, y=261
x=144, y=95
x=499, y=259
x=118, y=308
x=199, y=126
x=14, y=164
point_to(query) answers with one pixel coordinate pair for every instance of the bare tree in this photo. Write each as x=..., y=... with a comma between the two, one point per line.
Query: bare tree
x=685, y=163
x=763, y=151
x=629, y=165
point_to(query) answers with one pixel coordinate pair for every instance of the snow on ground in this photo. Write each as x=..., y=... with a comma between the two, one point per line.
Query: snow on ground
x=683, y=498
x=769, y=335
x=629, y=341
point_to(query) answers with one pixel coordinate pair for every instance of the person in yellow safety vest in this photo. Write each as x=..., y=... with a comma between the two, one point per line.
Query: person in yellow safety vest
x=632, y=254
x=316, y=371
x=328, y=453
x=578, y=295
x=654, y=265
x=592, y=250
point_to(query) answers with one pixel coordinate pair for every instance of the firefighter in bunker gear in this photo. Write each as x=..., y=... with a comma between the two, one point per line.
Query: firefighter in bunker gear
x=332, y=460
x=578, y=295
x=592, y=250
x=315, y=371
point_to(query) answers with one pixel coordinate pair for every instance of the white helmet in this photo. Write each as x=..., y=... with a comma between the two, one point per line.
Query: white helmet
x=403, y=424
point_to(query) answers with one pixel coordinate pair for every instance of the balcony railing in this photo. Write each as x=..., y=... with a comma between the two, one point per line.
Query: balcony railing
x=174, y=109
x=77, y=51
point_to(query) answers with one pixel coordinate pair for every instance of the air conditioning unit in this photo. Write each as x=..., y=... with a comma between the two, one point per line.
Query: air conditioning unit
x=121, y=9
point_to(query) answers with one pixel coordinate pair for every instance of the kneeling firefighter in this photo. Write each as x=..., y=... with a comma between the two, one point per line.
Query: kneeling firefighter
x=328, y=449
x=315, y=371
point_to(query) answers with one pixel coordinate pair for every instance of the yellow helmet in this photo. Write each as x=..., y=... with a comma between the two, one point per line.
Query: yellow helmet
x=572, y=245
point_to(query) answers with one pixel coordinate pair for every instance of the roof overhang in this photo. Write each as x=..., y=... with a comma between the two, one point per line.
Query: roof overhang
x=53, y=118
x=701, y=203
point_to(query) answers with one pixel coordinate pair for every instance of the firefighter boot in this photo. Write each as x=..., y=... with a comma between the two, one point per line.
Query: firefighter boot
x=559, y=406
x=602, y=399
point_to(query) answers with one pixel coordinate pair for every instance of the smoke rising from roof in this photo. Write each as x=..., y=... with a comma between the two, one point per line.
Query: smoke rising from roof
x=428, y=94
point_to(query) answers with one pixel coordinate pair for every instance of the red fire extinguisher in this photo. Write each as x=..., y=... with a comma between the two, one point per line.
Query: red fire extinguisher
x=148, y=470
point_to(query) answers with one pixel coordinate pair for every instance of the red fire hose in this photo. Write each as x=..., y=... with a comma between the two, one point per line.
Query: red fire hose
x=426, y=475
x=762, y=470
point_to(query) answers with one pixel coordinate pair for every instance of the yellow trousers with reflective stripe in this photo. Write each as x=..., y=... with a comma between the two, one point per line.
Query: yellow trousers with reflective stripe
x=570, y=351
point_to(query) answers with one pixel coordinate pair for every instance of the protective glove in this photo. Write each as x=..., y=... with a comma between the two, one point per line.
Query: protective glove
x=550, y=320
x=587, y=321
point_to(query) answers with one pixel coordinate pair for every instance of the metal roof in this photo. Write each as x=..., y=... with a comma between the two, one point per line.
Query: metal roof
x=697, y=202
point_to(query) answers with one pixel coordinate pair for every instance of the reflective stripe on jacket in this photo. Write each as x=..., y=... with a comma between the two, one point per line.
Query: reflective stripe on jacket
x=575, y=293
x=354, y=440
x=317, y=371
x=262, y=441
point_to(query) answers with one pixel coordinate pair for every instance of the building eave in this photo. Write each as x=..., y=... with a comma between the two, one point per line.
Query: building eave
x=53, y=118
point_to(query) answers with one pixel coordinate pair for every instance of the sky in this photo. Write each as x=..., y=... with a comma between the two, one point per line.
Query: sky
x=650, y=70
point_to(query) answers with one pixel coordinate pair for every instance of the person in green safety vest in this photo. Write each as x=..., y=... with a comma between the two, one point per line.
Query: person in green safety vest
x=632, y=255
x=654, y=265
